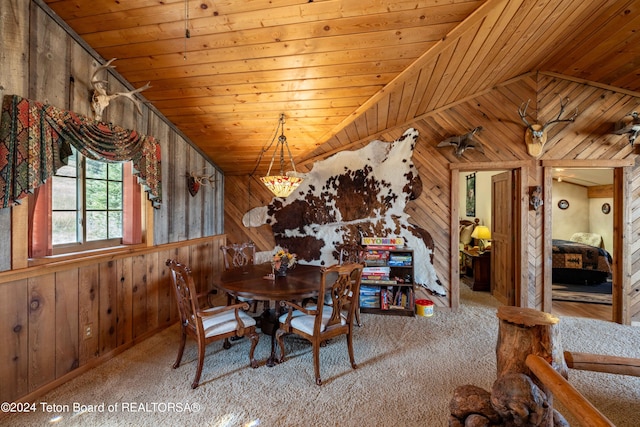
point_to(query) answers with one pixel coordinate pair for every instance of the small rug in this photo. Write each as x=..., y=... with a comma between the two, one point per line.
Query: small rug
x=595, y=294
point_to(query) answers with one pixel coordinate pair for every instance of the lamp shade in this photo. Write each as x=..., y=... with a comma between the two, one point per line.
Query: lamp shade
x=481, y=232
x=281, y=185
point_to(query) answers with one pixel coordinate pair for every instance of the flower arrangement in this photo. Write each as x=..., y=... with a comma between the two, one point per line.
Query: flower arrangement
x=283, y=260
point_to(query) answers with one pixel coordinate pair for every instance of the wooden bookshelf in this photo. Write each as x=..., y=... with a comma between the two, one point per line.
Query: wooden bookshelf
x=387, y=285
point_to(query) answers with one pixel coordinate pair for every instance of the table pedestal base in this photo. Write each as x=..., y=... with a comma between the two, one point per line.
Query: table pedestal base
x=269, y=326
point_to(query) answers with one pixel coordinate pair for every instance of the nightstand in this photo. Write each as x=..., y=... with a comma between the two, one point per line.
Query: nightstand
x=478, y=267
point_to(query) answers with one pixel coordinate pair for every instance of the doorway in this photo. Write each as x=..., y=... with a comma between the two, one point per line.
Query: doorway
x=582, y=211
x=494, y=198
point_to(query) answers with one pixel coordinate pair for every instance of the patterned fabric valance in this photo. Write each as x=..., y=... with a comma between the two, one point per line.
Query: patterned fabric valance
x=35, y=142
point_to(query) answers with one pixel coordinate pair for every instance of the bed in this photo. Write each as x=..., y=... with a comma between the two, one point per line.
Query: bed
x=465, y=229
x=582, y=260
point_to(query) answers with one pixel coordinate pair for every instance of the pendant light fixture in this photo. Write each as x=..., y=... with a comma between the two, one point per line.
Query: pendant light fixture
x=281, y=185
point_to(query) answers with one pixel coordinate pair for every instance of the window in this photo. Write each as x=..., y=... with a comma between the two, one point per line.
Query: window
x=86, y=205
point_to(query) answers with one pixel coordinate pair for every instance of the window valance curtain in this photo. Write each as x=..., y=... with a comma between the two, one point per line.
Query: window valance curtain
x=36, y=139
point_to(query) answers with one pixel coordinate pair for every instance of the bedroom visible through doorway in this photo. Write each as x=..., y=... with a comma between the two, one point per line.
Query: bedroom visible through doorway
x=475, y=209
x=582, y=242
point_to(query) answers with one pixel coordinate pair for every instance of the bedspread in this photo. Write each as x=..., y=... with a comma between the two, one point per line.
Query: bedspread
x=568, y=254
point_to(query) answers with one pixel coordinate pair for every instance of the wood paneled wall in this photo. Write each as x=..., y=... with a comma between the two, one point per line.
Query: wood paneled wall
x=42, y=61
x=585, y=143
x=60, y=319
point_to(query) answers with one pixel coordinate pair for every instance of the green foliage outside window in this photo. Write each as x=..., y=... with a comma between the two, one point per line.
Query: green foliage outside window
x=90, y=208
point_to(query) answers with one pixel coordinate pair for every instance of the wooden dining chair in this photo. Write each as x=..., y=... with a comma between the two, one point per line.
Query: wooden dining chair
x=353, y=253
x=210, y=324
x=238, y=255
x=322, y=322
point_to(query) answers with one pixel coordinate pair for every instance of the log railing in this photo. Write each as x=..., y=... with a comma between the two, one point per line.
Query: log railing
x=603, y=363
x=528, y=343
x=574, y=401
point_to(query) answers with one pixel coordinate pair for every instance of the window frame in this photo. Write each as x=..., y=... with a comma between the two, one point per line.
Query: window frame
x=81, y=178
x=133, y=220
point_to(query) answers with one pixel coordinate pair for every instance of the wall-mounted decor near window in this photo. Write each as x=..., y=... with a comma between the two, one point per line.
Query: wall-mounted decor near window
x=471, y=195
x=196, y=179
x=606, y=208
x=563, y=204
x=37, y=140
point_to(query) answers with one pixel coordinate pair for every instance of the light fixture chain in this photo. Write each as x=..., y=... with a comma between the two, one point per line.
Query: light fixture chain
x=293, y=166
x=187, y=33
x=264, y=150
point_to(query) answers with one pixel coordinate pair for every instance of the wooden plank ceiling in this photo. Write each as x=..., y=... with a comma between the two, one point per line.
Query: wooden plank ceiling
x=342, y=71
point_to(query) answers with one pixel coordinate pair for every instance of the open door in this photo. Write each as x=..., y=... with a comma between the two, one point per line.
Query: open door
x=503, y=226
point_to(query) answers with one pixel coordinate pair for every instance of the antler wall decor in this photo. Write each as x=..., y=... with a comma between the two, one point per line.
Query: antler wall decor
x=535, y=197
x=195, y=180
x=629, y=125
x=536, y=134
x=101, y=99
x=463, y=142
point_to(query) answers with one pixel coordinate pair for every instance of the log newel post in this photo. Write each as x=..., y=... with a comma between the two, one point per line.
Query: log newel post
x=525, y=331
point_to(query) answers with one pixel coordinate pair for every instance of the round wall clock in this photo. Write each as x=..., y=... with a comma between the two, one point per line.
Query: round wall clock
x=606, y=208
x=563, y=204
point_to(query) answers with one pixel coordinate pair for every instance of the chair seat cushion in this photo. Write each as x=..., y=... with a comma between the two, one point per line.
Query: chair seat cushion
x=304, y=322
x=224, y=322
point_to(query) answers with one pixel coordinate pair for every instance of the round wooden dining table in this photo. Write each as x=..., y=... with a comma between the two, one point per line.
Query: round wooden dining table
x=253, y=282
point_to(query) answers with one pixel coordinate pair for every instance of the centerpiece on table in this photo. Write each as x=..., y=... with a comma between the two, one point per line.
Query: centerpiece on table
x=282, y=261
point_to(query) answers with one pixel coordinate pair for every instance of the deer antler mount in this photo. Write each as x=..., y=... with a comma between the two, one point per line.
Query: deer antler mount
x=195, y=180
x=101, y=99
x=461, y=143
x=536, y=134
x=629, y=125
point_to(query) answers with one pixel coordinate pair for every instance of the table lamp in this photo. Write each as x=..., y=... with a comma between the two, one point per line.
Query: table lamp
x=481, y=233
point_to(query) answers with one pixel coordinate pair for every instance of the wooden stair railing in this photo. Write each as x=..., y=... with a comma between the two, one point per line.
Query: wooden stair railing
x=586, y=414
x=532, y=371
x=603, y=363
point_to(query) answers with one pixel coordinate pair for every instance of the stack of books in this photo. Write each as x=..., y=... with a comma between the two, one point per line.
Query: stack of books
x=377, y=276
x=370, y=296
x=401, y=259
x=396, y=298
x=374, y=257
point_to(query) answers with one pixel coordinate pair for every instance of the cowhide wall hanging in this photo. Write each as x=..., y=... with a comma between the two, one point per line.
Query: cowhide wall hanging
x=349, y=195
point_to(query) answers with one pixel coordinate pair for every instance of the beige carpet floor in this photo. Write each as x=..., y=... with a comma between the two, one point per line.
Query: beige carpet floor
x=408, y=369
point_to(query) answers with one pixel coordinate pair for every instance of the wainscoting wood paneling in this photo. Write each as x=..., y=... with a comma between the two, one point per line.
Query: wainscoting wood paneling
x=66, y=321
x=88, y=311
x=14, y=314
x=41, y=327
x=57, y=319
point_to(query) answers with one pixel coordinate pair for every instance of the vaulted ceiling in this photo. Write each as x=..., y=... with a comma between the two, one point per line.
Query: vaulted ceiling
x=342, y=70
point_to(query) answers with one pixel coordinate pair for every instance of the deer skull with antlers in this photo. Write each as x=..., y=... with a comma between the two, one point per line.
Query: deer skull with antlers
x=536, y=134
x=101, y=99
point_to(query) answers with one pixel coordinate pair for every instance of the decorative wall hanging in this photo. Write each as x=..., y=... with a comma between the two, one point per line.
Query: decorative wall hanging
x=35, y=140
x=461, y=143
x=101, y=99
x=348, y=196
x=536, y=134
x=629, y=125
x=471, y=195
x=563, y=204
x=606, y=208
x=535, y=197
x=195, y=181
